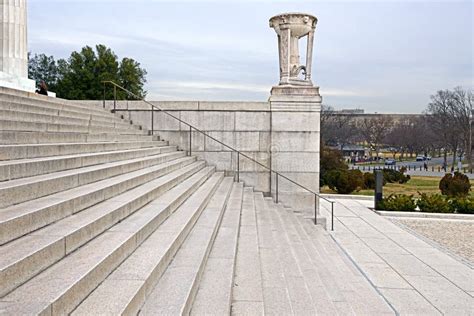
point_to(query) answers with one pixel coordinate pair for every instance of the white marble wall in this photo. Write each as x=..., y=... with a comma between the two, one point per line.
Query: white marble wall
x=285, y=139
x=13, y=41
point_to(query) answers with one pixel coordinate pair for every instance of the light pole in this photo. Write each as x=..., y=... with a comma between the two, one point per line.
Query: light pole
x=471, y=114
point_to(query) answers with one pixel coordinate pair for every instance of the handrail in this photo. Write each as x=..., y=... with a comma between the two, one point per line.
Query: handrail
x=239, y=153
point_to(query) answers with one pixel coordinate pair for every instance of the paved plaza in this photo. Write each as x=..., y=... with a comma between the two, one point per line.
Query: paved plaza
x=414, y=275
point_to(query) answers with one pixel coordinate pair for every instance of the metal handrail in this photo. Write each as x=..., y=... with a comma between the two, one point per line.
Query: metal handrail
x=239, y=153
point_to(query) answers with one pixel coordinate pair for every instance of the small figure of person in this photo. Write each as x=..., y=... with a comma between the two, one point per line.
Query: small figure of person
x=425, y=166
x=43, y=88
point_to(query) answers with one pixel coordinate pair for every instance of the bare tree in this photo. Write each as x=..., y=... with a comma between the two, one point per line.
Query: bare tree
x=336, y=128
x=375, y=130
x=449, y=118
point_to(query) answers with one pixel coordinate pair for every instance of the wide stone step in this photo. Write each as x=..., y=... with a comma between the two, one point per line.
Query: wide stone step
x=346, y=286
x=54, y=110
x=247, y=290
x=45, y=127
x=142, y=270
x=25, y=257
x=276, y=297
x=56, y=103
x=63, y=119
x=314, y=276
x=29, y=151
x=16, y=169
x=295, y=283
x=18, y=220
x=214, y=296
x=21, y=137
x=26, y=189
x=62, y=287
x=175, y=291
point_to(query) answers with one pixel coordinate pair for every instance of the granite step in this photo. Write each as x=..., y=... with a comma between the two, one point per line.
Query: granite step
x=54, y=103
x=214, y=295
x=63, y=286
x=139, y=274
x=26, y=189
x=20, y=219
x=298, y=290
x=54, y=110
x=323, y=298
x=22, y=137
x=276, y=297
x=247, y=289
x=63, y=119
x=6, y=125
x=25, y=257
x=175, y=291
x=16, y=169
x=29, y=151
x=355, y=292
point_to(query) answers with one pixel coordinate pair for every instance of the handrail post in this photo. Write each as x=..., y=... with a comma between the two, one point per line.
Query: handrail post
x=238, y=166
x=332, y=216
x=190, y=140
x=315, y=210
x=103, y=101
x=152, y=121
x=276, y=187
x=115, y=97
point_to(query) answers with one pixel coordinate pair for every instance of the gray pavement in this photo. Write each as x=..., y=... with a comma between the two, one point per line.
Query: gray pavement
x=416, y=277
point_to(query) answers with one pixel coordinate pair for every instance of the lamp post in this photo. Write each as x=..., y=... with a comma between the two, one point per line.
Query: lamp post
x=471, y=114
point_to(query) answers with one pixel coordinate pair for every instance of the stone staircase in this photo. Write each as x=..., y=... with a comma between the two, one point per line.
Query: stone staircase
x=98, y=217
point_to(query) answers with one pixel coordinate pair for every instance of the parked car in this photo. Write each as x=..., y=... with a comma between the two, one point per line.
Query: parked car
x=420, y=158
x=390, y=162
x=428, y=157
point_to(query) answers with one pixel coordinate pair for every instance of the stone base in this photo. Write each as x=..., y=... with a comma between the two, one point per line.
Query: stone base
x=295, y=98
x=17, y=83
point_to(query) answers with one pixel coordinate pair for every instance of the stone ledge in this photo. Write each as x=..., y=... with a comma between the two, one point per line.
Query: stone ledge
x=421, y=215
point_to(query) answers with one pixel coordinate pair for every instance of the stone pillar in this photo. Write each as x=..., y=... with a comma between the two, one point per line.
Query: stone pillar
x=14, y=46
x=295, y=117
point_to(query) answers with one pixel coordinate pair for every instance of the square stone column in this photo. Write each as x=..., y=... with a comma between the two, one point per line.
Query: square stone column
x=295, y=143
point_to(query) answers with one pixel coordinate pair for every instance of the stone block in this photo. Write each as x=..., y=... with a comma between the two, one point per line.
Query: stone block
x=234, y=106
x=295, y=141
x=295, y=162
x=209, y=121
x=252, y=121
x=296, y=121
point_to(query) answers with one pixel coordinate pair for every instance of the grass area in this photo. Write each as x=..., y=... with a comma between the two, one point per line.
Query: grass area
x=416, y=184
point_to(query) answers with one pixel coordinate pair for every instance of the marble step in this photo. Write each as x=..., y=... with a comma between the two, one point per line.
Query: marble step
x=6, y=125
x=214, y=295
x=139, y=274
x=63, y=119
x=16, y=169
x=54, y=103
x=247, y=290
x=26, y=189
x=323, y=302
x=69, y=112
x=174, y=293
x=294, y=278
x=22, y=137
x=62, y=287
x=355, y=292
x=25, y=257
x=20, y=219
x=29, y=151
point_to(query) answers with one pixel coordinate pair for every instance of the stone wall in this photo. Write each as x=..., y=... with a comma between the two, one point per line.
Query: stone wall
x=244, y=126
x=286, y=140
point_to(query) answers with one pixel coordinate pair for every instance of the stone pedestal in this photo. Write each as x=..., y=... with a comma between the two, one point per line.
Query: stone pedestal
x=14, y=46
x=295, y=143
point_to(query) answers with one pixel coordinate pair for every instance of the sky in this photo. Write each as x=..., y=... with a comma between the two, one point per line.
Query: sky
x=380, y=56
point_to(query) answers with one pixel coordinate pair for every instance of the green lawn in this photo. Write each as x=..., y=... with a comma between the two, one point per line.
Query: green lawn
x=417, y=183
